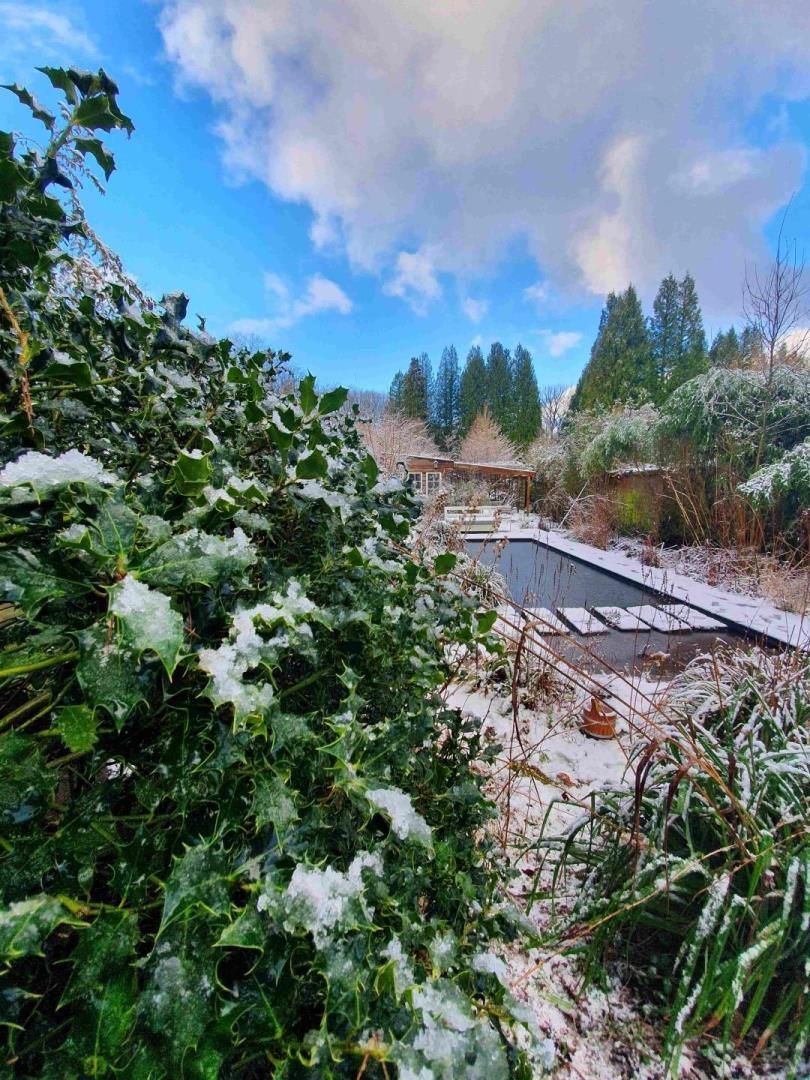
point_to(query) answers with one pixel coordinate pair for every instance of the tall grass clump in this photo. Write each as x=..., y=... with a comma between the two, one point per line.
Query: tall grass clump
x=699, y=877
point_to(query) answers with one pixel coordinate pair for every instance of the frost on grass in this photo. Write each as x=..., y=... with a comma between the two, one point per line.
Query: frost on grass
x=44, y=474
x=247, y=648
x=324, y=901
x=450, y=1041
x=398, y=808
x=147, y=620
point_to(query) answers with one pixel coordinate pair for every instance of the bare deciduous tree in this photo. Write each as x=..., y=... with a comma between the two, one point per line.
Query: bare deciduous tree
x=775, y=304
x=394, y=437
x=554, y=400
x=372, y=403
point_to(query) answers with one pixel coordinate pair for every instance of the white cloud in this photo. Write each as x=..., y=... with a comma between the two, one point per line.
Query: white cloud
x=536, y=294
x=630, y=158
x=476, y=342
x=475, y=310
x=37, y=29
x=560, y=341
x=321, y=295
x=415, y=279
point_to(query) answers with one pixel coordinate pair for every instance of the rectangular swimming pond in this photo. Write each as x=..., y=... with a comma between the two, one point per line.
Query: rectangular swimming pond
x=537, y=576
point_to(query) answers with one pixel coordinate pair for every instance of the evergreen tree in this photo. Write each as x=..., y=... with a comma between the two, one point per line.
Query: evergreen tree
x=500, y=386
x=665, y=329
x=526, y=412
x=473, y=389
x=395, y=393
x=621, y=367
x=691, y=359
x=725, y=351
x=414, y=393
x=677, y=338
x=446, y=405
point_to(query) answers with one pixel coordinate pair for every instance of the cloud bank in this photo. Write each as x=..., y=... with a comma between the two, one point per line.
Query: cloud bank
x=428, y=137
x=320, y=295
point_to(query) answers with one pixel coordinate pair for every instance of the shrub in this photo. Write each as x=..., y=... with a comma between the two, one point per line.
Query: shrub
x=783, y=486
x=739, y=415
x=704, y=872
x=240, y=834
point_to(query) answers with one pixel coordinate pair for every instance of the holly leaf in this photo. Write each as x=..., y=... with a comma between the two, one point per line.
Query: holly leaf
x=147, y=621
x=444, y=563
x=27, y=98
x=272, y=804
x=77, y=726
x=192, y=471
x=109, y=674
x=30, y=584
x=60, y=80
x=197, y=879
x=26, y=784
x=306, y=390
x=487, y=621
x=25, y=925
x=198, y=558
x=12, y=179
x=104, y=948
x=66, y=369
x=245, y=932
x=96, y=148
x=100, y=113
x=312, y=467
x=333, y=400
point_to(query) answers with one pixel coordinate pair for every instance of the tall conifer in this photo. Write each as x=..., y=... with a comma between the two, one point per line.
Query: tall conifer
x=526, y=411
x=473, y=388
x=446, y=404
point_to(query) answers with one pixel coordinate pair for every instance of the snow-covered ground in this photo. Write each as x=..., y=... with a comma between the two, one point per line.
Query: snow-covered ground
x=542, y=779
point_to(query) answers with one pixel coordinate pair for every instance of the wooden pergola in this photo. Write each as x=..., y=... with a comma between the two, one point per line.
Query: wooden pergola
x=515, y=477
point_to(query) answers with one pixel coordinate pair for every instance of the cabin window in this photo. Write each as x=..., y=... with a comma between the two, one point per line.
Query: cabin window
x=415, y=480
x=434, y=482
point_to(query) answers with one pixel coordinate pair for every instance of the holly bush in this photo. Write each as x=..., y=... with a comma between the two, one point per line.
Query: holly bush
x=239, y=833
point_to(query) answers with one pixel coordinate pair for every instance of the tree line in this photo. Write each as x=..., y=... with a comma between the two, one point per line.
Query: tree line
x=636, y=359
x=503, y=385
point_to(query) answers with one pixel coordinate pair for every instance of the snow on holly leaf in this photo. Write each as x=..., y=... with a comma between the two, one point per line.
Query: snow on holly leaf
x=398, y=808
x=147, y=620
x=25, y=925
x=45, y=475
x=288, y=611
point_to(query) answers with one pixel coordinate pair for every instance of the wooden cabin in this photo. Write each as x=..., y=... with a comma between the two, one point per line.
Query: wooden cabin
x=506, y=481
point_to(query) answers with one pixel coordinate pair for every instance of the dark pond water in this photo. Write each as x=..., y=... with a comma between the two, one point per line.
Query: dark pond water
x=538, y=576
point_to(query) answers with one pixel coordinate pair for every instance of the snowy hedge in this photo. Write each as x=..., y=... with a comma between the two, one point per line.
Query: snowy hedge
x=240, y=834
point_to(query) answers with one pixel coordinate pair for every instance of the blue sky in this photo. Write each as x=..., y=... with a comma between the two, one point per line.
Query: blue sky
x=358, y=182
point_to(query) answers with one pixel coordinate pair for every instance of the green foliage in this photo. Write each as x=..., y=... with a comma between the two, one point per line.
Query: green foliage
x=526, y=413
x=500, y=387
x=621, y=367
x=414, y=392
x=446, y=405
x=703, y=876
x=677, y=338
x=473, y=392
x=240, y=833
x=733, y=415
x=783, y=486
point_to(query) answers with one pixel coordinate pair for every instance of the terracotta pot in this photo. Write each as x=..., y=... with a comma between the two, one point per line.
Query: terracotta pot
x=597, y=721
